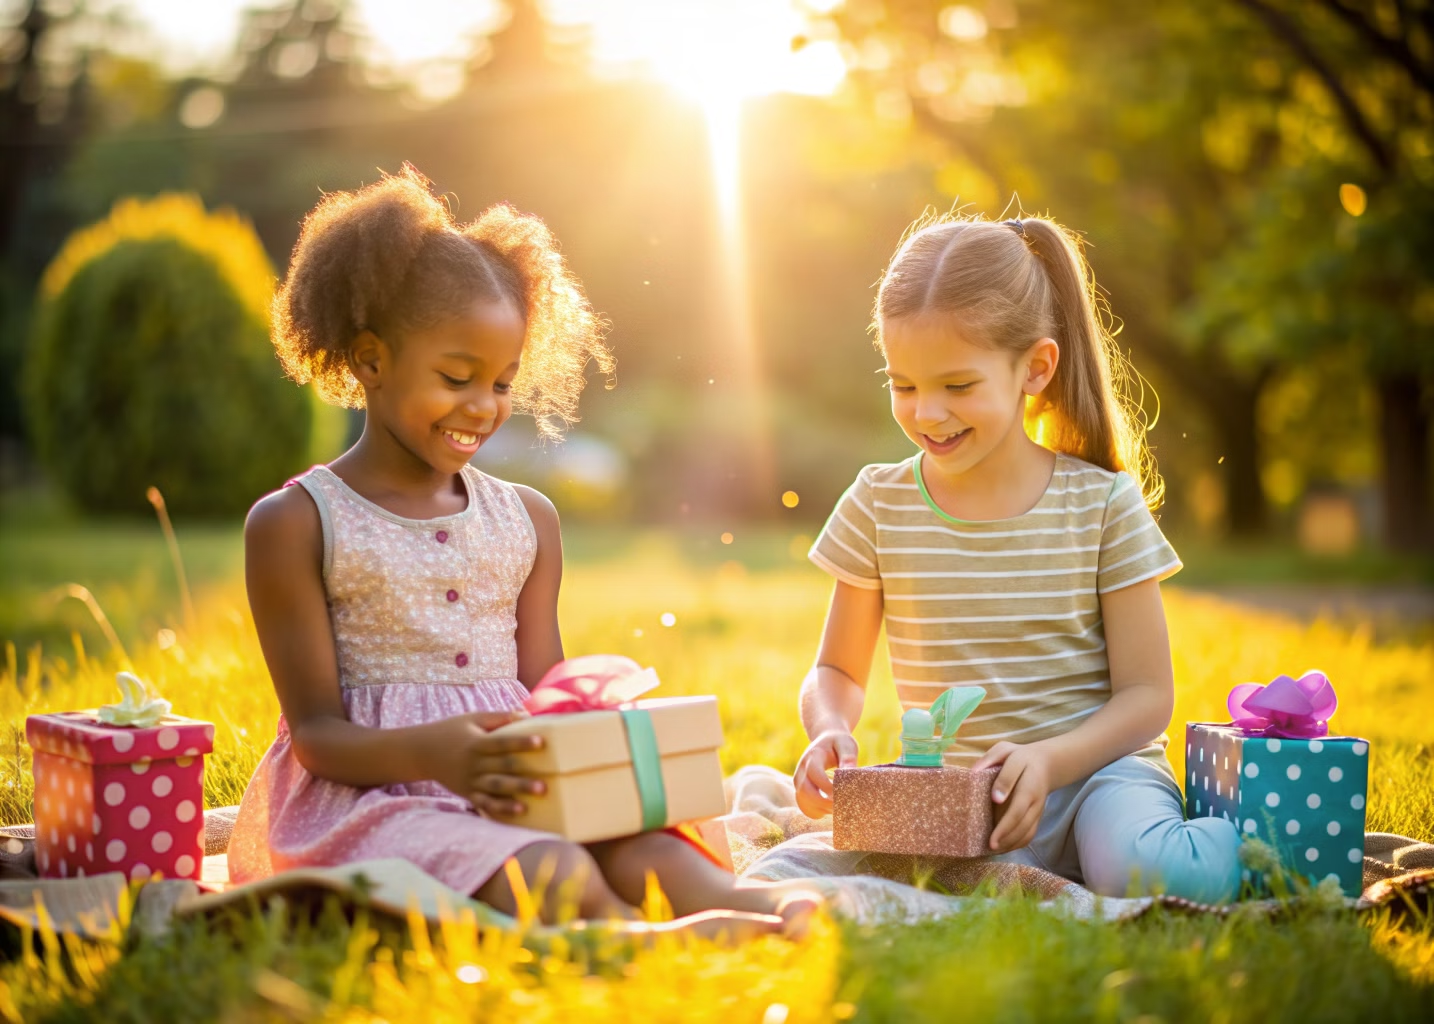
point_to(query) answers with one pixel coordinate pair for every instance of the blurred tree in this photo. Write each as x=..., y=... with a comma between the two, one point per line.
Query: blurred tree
x=1094, y=111
x=151, y=364
x=1173, y=136
x=1353, y=269
x=43, y=113
x=293, y=87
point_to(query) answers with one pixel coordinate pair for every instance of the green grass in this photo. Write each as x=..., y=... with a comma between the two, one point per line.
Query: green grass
x=1279, y=562
x=746, y=621
x=123, y=562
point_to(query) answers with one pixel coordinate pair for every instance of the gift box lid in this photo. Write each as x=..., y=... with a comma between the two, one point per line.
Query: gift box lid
x=584, y=740
x=1232, y=730
x=82, y=736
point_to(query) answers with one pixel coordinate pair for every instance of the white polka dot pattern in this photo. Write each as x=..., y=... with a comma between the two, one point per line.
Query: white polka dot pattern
x=388, y=585
x=1305, y=797
x=114, y=821
x=81, y=736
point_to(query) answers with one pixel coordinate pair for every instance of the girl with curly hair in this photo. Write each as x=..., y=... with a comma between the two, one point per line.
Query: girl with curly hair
x=405, y=601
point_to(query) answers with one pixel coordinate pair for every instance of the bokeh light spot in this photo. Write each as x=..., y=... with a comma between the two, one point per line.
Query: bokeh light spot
x=1353, y=199
x=964, y=23
x=727, y=538
x=471, y=974
x=668, y=619
x=202, y=107
x=790, y=499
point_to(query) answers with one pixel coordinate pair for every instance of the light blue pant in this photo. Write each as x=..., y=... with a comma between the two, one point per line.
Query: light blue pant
x=1122, y=832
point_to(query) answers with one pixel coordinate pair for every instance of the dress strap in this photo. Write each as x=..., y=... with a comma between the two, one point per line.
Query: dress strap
x=310, y=482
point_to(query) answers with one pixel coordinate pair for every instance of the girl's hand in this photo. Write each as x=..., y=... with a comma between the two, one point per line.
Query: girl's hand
x=1019, y=793
x=834, y=748
x=467, y=759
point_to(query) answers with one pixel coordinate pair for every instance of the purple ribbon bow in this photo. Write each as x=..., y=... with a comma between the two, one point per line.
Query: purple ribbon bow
x=1297, y=709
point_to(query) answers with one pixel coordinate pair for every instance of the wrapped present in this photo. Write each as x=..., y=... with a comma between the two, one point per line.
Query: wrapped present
x=119, y=788
x=1276, y=772
x=918, y=805
x=614, y=765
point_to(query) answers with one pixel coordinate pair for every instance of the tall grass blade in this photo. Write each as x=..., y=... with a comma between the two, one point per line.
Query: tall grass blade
x=162, y=511
x=82, y=594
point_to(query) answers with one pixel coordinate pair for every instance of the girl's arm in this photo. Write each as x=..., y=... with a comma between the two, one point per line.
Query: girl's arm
x=1142, y=698
x=283, y=557
x=540, y=644
x=834, y=692
x=1142, y=686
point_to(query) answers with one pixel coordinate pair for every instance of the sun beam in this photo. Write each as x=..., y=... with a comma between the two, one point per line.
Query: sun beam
x=718, y=53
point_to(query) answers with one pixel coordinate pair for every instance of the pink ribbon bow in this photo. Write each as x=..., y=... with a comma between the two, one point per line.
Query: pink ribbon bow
x=594, y=682
x=1292, y=708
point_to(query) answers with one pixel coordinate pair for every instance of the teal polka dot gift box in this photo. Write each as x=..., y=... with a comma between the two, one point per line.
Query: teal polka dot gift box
x=1275, y=772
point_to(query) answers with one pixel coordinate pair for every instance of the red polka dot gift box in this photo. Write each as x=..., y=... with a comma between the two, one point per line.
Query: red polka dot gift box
x=112, y=797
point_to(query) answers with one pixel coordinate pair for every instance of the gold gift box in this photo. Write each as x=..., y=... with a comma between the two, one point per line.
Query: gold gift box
x=586, y=763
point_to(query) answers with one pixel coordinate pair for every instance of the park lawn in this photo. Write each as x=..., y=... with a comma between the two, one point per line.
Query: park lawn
x=743, y=627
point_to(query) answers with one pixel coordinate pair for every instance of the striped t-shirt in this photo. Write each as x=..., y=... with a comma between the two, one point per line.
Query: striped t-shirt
x=1011, y=605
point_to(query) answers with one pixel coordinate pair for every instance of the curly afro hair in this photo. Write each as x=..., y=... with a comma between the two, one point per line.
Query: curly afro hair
x=390, y=258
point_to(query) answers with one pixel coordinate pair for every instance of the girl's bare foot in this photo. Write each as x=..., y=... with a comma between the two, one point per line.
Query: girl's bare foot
x=796, y=908
x=794, y=902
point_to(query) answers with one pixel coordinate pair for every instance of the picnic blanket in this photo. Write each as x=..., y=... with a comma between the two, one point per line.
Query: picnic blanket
x=771, y=841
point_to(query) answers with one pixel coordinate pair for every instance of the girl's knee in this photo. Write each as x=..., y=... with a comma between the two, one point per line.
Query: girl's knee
x=1195, y=860
x=1209, y=870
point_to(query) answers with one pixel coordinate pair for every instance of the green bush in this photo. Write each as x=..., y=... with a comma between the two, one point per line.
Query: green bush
x=150, y=364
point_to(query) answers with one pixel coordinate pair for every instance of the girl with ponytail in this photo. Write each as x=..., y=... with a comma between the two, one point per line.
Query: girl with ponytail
x=1016, y=550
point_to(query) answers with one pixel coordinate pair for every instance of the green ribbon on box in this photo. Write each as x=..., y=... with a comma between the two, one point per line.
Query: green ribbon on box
x=646, y=767
x=921, y=747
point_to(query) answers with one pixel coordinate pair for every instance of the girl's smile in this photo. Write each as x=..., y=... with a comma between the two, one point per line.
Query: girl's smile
x=464, y=441
x=955, y=399
x=440, y=392
x=944, y=444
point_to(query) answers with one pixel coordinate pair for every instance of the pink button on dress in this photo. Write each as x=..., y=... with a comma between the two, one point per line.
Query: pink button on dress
x=397, y=635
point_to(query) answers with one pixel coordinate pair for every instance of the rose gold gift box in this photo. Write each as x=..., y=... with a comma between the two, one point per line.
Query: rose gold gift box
x=931, y=812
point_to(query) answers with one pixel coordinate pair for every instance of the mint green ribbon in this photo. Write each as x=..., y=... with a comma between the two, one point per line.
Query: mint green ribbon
x=647, y=767
x=921, y=746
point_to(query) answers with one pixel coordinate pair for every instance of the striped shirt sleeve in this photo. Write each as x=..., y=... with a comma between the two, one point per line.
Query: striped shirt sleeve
x=846, y=547
x=1132, y=548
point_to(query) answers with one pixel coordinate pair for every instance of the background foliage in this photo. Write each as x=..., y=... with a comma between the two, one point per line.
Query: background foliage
x=1253, y=177
x=151, y=364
